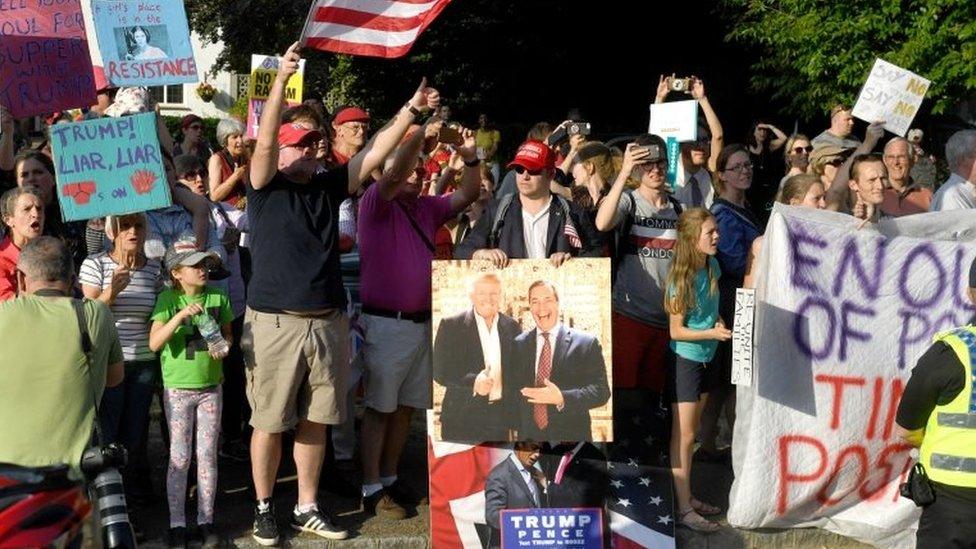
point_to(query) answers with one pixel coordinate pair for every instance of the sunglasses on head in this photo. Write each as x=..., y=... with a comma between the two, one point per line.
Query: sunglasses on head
x=801, y=150
x=522, y=169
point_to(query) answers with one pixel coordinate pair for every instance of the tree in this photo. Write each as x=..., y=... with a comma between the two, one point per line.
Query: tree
x=812, y=54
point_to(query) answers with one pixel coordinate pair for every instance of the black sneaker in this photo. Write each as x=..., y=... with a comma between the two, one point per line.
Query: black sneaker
x=177, y=538
x=265, y=528
x=403, y=494
x=208, y=539
x=381, y=504
x=318, y=523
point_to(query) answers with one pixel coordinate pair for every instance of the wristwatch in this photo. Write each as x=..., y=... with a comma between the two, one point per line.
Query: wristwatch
x=412, y=109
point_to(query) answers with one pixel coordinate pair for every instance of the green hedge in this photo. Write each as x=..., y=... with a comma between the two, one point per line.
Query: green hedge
x=209, y=128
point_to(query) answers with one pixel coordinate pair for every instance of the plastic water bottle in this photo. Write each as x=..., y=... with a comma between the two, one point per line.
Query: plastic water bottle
x=210, y=331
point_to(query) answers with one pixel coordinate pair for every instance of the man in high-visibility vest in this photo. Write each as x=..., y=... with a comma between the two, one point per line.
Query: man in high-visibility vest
x=937, y=413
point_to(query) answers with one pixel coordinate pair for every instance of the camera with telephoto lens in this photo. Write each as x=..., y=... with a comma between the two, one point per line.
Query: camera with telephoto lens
x=100, y=464
x=680, y=84
x=578, y=128
x=562, y=134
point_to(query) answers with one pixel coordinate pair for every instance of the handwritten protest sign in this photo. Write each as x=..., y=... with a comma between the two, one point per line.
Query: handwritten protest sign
x=892, y=94
x=45, y=64
x=109, y=166
x=842, y=316
x=745, y=302
x=264, y=69
x=555, y=527
x=144, y=42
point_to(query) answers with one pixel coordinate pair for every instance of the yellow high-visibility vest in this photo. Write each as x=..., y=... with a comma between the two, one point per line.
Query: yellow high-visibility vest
x=948, y=450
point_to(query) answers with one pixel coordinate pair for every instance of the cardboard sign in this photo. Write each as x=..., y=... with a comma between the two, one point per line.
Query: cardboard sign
x=109, y=166
x=144, y=42
x=678, y=119
x=264, y=70
x=45, y=65
x=842, y=316
x=745, y=303
x=892, y=94
x=581, y=528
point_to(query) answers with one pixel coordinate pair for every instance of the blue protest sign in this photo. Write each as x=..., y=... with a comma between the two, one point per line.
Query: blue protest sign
x=144, y=43
x=109, y=166
x=674, y=155
x=556, y=527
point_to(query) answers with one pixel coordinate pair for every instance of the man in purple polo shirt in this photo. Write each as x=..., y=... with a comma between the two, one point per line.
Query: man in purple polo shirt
x=396, y=234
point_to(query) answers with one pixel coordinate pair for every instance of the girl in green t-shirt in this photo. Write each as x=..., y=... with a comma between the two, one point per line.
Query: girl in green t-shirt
x=696, y=328
x=182, y=321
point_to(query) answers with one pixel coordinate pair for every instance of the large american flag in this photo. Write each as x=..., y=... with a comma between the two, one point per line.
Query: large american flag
x=376, y=28
x=639, y=504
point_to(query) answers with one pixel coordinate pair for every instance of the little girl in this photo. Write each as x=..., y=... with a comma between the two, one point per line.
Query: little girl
x=191, y=380
x=696, y=328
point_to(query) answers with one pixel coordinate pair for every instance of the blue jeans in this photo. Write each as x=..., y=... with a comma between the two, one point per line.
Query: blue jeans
x=125, y=409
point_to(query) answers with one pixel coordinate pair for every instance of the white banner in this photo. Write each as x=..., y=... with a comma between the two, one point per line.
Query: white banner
x=842, y=316
x=892, y=94
x=742, y=334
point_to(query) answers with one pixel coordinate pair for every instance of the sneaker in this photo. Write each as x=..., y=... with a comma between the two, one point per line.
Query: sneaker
x=235, y=450
x=208, y=539
x=265, y=528
x=318, y=523
x=177, y=538
x=381, y=504
x=403, y=494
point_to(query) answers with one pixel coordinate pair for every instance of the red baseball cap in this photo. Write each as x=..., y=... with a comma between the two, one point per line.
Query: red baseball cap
x=534, y=155
x=294, y=134
x=350, y=114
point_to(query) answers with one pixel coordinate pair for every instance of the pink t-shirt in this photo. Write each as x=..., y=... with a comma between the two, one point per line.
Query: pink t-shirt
x=8, y=269
x=394, y=261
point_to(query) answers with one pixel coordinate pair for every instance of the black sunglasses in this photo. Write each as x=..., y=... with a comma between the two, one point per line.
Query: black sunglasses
x=192, y=174
x=522, y=169
x=799, y=150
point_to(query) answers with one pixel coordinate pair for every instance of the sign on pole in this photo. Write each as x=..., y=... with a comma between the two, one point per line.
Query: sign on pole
x=892, y=94
x=264, y=70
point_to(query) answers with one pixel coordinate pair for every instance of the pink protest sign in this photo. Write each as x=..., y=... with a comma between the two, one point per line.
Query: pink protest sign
x=45, y=65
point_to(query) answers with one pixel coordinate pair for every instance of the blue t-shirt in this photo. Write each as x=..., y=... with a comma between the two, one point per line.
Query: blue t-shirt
x=702, y=317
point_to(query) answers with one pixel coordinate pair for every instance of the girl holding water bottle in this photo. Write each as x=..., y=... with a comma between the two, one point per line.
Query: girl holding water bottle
x=191, y=328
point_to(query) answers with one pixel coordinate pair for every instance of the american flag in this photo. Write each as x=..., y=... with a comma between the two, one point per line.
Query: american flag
x=376, y=28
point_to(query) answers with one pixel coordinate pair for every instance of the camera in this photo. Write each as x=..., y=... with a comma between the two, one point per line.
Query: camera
x=101, y=463
x=680, y=84
x=564, y=132
x=578, y=128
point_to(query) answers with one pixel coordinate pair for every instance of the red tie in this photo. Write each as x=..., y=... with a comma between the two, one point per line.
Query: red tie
x=540, y=411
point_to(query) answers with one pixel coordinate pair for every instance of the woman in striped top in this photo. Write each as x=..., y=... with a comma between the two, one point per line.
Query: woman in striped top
x=126, y=281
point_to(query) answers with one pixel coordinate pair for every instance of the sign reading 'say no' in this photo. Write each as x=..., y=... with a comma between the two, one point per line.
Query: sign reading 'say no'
x=892, y=94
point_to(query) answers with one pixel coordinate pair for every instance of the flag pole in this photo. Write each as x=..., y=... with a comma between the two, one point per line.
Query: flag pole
x=303, y=39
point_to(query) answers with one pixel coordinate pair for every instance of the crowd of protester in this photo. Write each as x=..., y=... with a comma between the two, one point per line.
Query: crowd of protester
x=252, y=245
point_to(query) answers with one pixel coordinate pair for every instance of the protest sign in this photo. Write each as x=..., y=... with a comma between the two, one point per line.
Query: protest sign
x=742, y=336
x=573, y=310
x=109, y=166
x=678, y=119
x=144, y=42
x=842, y=315
x=552, y=528
x=45, y=65
x=264, y=69
x=892, y=94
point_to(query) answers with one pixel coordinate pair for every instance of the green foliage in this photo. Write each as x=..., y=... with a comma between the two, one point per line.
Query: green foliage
x=814, y=53
x=209, y=128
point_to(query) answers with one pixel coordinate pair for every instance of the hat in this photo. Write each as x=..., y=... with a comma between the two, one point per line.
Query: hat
x=294, y=134
x=350, y=114
x=534, y=155
x=185, y=253
x=130, y=101
x=189, y=119
x=827, y=153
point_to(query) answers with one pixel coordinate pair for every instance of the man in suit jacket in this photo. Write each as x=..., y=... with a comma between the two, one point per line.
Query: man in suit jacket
x=472, y=357
x=514, y=484
x=536, y=223
x=562, y=371
x=577, y=473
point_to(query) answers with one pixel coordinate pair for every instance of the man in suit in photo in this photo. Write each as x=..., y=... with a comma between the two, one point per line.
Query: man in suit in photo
x=563, y=373
x=515, y=483
x=472, y=357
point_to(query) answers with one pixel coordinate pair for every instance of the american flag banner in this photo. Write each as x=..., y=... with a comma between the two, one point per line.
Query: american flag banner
x=375, y=28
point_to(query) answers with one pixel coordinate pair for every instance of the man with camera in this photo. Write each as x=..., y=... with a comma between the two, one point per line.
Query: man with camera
x=51, y=386
x=937, y=413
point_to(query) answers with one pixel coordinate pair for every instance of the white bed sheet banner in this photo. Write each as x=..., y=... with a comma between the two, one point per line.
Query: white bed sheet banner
x=842, y=316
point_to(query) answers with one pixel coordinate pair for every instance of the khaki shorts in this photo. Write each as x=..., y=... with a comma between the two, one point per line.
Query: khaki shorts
x=296, y=368
x=397, y=358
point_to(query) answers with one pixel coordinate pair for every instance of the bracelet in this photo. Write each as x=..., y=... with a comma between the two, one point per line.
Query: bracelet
x=473, y=163
x=412, y=110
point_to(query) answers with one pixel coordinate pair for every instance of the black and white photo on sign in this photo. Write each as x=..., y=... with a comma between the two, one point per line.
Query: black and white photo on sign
x=142, y=42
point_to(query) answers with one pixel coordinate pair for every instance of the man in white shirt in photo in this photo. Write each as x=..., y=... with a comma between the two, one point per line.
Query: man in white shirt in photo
x=958, y=192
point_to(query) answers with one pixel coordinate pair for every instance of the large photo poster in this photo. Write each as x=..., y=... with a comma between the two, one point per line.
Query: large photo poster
x=522, y=353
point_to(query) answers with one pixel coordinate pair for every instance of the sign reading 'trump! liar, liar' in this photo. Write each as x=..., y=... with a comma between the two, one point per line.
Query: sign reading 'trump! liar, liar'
x=145, y=42
x=109, y=166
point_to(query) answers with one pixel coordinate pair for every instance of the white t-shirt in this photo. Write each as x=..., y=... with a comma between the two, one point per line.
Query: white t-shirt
x=955, y=194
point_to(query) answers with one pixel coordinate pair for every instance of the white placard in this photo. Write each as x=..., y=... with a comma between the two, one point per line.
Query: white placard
x=892, y=94
x=745, y=304
x=678, y=119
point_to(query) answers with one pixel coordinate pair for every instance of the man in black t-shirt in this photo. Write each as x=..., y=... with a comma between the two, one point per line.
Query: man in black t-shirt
x=295, y=329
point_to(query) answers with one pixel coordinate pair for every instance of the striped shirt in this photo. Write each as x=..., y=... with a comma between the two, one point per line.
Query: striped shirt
x=133, y=306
